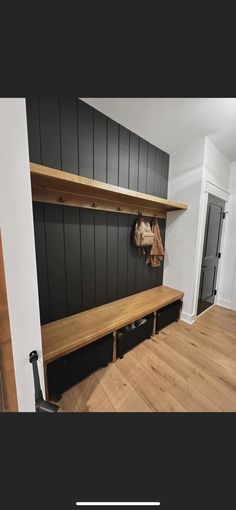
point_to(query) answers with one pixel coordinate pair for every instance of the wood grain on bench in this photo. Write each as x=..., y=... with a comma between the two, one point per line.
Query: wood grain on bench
x=69, y=334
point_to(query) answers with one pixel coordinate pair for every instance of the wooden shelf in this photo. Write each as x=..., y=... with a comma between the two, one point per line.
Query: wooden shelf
x=57, y=187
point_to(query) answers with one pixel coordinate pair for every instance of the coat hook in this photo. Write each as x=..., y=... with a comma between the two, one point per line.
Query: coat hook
x=94, y=205
x=61, y=199
x=119, y=209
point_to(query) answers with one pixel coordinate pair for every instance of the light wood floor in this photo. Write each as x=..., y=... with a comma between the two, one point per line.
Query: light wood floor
x=184, y=368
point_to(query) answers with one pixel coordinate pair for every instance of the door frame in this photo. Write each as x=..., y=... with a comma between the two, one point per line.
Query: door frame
x=212, y=199
x=208, y=188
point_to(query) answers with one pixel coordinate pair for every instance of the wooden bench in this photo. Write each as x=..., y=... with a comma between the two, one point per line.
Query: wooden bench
x=64, y=336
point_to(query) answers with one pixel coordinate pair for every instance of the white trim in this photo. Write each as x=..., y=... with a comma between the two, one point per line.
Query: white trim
x=211, y=188
x=200, y=242
x=187, y=317
x=208, y=187
x=225, y=303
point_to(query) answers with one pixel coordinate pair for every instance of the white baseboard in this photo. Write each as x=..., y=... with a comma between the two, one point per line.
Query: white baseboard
x=225, y=303
x=187, y=317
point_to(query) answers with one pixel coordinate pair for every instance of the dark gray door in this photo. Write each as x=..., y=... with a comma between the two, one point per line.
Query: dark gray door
x=211, y=255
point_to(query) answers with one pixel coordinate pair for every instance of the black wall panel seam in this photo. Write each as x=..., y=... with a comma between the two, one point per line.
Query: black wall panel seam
x=47, y=269
x=59, y=114
x=129, y=164
x=40, y=137
x=138, y=163
x=93, y=139
x=106, y=149
x=147, y=166
x=77, y=123
x=94, y=254
x=118, y=155
x=64, y=239
x=81, y=267
x=107, y=254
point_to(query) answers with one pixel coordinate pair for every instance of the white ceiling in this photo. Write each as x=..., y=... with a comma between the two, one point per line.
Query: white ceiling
x=171, y=123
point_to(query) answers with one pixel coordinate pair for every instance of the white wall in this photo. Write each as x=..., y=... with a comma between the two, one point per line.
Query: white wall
x=185, y=181
x=16, y=223
x=195, y=171
x=216, y=181
x=227, y=280
x=216, y=166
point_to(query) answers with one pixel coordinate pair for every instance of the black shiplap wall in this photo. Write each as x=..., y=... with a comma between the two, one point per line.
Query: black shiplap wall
x=84, y=257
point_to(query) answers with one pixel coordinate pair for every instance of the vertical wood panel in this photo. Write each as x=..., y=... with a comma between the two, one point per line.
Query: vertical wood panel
x=32, y=110
x=85, y=123
x=112, y=256
x=123, y=157
x=132, y=258
x=165, y=174
x=147, y=270
x=41, y=259
x=101, y=257
x=69, y=134
x=139, y=271
x=142, y=176
x=112, y=152
x=157, y=272
x=56, y=260
x=133, y=170
x=162, y=225
x=158, y=172
x=73, y=259
x=151, y=169
x=50, y=131
x=84, y=258
x=100, y=149
x=123, y=238
x=88, y=260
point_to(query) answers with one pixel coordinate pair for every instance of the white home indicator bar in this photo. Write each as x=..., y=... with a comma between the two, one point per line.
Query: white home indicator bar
x=119, y=503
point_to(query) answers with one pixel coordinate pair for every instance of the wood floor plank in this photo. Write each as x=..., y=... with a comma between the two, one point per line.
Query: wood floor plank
x=208, y=346
x=91, y=397
x=180, y=388
x=203, y=362
x=184, y=368
x=214, y=390
x=222, y=334
x=122, y=395
x=150, y=390
x=68, y=402
x=217, y=317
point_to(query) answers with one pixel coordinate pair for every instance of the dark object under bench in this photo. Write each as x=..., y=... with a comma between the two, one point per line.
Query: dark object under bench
x=128, y=340
x=68, y=370
x=167, y=315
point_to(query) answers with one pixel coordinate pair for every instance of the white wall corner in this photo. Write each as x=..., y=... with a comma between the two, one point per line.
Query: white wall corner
x=225, y=303
x=227, y=277
x=188, y=317
x=182, y=229
x=16, y=223
x=217, y=166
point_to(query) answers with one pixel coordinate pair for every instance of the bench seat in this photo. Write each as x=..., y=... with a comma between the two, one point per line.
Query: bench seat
x=66, y=335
